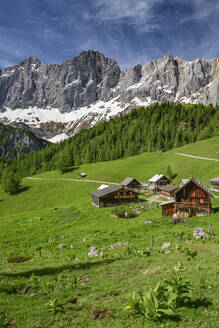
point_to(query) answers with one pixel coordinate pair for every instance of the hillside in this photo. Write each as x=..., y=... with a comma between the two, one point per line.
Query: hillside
x=166, y=125
x=15, y=142
x=76, y=290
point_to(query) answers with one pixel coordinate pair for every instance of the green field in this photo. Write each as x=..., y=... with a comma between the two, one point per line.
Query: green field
x=93, y=291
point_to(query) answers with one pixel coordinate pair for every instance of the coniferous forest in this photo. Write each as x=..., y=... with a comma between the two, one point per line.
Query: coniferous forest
x=166, y=126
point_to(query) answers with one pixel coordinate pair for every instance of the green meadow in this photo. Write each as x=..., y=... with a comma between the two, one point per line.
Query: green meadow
x=61, y=286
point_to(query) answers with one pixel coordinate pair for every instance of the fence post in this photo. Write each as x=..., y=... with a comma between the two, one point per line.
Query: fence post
x=152, y=241
x=210, y=231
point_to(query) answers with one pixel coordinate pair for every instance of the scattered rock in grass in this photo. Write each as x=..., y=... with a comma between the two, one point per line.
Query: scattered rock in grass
x=179, y=220
x=62, y=236
x=26, y=290
x=40, y=219
x=147, y=222
x=166, y=245
x=93, y=251
x=100, y=314
x=71, y=246
x=84, y=239
x=199, y=233
x=187, y=241
x=166, y=252
x=118, y=244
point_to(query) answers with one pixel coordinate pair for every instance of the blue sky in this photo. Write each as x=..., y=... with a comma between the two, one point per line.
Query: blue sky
x=130, y=31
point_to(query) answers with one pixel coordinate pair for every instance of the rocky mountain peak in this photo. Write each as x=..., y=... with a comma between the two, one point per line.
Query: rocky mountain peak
x=91, y=87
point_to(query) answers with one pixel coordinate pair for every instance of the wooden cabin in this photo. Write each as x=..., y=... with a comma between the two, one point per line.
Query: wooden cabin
x=214, y=184
x=156, y=181
x=113, y=195
x=131, y=183
x=82, y=175
x=191, y=198
x=168, y=190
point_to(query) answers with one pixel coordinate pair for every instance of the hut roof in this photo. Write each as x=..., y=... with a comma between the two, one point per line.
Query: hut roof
x=168, y=187
x=156, y=178
x=82, y=174
x=166, y=203
x=214, y=179
x=183, y=181
x=198, y=183
x=103, y=186
x=106, y=191
x=128, y=180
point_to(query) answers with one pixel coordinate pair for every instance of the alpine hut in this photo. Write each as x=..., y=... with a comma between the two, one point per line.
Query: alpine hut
x=131, y=183
x=156, y=181
x=214, y=184
x=113, y=195
x=191, y=198
x=168, y=190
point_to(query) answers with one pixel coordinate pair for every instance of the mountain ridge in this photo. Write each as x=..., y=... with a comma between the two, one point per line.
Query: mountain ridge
x=55, y=99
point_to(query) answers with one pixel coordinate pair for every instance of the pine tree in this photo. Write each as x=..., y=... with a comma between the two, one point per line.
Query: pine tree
x=11, y=182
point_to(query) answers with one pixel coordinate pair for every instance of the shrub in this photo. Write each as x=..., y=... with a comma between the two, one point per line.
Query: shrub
x=17, y=258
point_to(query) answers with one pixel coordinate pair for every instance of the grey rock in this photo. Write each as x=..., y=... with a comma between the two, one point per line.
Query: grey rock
x=91, y=77
x=199, y=233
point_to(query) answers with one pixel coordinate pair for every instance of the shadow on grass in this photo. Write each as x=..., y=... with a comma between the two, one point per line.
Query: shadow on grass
x=216, y=209
x=24, y=188
x=199, y=302
x=55, y=270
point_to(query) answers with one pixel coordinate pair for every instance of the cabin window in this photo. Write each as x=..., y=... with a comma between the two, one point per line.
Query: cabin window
x=202, y=201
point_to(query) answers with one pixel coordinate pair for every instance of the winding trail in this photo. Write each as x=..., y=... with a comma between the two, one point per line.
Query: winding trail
x=77, y=180
x=199, y=157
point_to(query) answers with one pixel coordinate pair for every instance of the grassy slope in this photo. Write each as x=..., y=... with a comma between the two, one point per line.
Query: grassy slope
x=146, y=165
x=105, y=282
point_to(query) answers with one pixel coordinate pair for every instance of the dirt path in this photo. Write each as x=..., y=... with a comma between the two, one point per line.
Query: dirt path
x=77, y=180
x=199, y=157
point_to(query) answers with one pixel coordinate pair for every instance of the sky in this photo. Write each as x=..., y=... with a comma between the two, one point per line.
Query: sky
x=130, y=31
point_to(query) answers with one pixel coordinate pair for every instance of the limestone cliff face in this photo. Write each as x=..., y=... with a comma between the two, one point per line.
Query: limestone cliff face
x=15, y=142
x=90, y=79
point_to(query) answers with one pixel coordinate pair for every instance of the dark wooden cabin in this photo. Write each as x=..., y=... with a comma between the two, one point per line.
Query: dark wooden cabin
x=214, y=184
x=168, y=190
x=131, y=183
x=113, y=195
x=191, y=198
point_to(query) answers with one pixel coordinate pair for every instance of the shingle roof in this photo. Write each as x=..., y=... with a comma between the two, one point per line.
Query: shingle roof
x=197, y=182
x=105, y=191
x=183, y=181
x=168, y=187
x=156, y=178
x=126, y=181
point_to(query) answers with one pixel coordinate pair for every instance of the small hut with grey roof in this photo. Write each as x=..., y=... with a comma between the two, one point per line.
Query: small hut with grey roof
x=113, y=195
x=156, y=181
x=131, y=183
x=214, y=184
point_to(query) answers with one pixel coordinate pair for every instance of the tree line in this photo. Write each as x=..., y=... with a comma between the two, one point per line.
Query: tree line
x=166, y=126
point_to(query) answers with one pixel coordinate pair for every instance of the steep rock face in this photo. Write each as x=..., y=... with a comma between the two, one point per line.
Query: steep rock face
x=55, y=99
x=15, y=142
x=73, y=84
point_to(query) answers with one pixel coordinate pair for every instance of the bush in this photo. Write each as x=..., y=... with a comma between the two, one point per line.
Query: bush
x=17, y=258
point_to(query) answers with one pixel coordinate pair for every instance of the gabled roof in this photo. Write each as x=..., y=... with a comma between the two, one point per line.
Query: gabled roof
x=156, y=178
x=106, y=191
x=127, y=180
x=198, y=183
x=168, y=187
